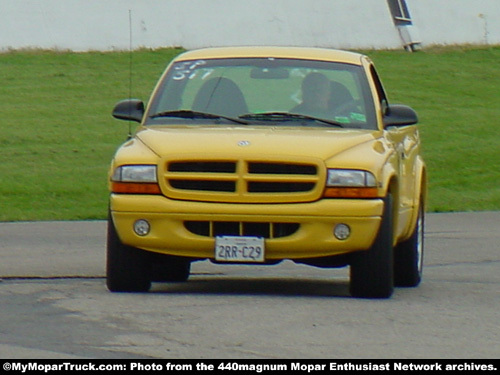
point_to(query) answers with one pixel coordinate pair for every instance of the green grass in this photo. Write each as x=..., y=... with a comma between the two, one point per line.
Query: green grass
x=57, y=136
x=455, y=92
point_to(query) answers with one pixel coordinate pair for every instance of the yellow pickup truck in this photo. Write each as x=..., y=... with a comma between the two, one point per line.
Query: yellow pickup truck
x=254, y=155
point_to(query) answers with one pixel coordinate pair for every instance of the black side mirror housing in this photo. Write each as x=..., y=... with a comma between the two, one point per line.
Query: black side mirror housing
x=129, y=109
x=399, y=115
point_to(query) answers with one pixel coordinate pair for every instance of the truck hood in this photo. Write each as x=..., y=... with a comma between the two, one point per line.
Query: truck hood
x=249, y=141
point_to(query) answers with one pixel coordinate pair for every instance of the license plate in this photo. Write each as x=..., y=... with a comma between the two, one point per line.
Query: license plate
x=239, y=249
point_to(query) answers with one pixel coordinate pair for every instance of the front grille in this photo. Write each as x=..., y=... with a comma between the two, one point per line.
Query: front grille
x=235, y=228
x=251, y=181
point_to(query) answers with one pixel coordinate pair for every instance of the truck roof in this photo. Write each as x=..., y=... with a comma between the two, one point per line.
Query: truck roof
x=306, y=53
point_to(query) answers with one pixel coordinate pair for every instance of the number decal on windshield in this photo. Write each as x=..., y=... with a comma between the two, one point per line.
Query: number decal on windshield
x=187, y=69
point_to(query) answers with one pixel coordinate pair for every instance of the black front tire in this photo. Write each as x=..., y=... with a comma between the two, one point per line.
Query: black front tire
x=409, y=255
x=168, y=268
x=127, y=268
x=371, y=271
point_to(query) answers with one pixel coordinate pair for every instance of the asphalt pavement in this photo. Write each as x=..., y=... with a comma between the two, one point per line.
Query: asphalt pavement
x=77, y=248
x=54, y=302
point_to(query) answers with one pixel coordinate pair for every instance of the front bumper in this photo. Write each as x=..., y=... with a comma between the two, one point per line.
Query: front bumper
x=314, y=237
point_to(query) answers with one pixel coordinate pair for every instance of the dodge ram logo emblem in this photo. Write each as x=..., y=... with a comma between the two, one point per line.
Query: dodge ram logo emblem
x=244, y=143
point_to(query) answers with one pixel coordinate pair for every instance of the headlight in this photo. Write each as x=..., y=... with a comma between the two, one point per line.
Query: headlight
x=135, y=179
x=347, y=177
x=135, y=173
x=350, y=183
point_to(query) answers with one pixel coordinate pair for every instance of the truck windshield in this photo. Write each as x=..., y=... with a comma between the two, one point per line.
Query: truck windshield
x=264, y=91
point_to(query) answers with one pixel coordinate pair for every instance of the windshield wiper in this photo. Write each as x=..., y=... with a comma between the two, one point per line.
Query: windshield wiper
x=196, y=115
x=285, y=116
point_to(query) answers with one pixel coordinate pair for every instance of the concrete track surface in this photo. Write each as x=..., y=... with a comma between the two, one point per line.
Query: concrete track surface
x=54, y=302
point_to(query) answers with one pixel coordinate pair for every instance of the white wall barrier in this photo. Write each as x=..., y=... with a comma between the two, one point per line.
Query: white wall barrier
x=82, y=25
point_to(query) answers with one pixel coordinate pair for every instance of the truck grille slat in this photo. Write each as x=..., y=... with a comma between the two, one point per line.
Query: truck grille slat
x=204, y=185
x=202, y=167
x=279, y=187
x=281, y=168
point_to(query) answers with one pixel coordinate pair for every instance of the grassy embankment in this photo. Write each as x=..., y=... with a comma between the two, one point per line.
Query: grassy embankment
x=57, y=135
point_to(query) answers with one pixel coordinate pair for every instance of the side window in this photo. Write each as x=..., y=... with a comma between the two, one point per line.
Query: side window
x=382, y=98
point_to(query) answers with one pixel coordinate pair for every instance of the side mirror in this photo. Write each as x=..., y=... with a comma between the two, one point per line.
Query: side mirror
x=129, y=109
x=399, y=115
